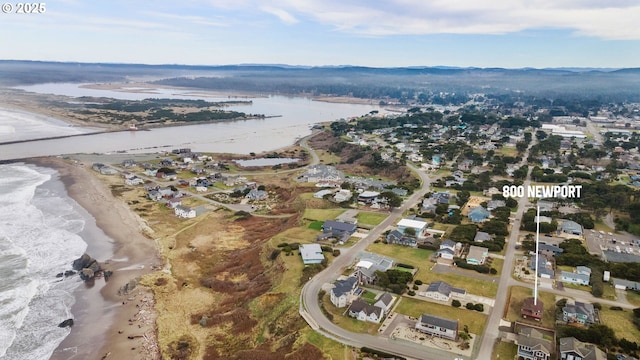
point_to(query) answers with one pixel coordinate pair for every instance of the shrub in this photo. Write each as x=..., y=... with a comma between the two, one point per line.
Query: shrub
x=336, y=252
x=479, y=307
x=616, y=308
x=493, y=271
x=636, y=312
x=418, y=282
x=274, y=254
x=406, y=266
x=415, y=287
x=326, y=248
x=456, y=303
x=411, y=293
x=470, y=306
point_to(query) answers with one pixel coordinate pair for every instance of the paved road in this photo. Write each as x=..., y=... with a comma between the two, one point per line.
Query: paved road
x=310, y=308
x=491, y=332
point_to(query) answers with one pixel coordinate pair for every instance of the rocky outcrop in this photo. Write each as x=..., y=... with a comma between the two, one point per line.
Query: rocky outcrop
x=87, y=267
x=128, y=287
x=66, y=323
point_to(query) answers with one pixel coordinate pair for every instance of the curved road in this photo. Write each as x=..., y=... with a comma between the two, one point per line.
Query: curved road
x=310, y=308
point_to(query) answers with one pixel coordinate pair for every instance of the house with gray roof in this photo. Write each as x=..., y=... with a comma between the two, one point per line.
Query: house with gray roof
x=573, y=349
x=311, y=254
x=533, y=346
x=478, y=214
x=342, y=291
x=571, y=227
x=384, y=301
x=437, y=326
x=368, y=264
x=482, y=236
x=549, y=250
x=339, y=230
x=580, y=313
x=545, y=267
x=477, y=255
x=441, y=291
x=494, y=204
x=622, y=284
x=574, y=278
x=362, y=311
x=396, y=237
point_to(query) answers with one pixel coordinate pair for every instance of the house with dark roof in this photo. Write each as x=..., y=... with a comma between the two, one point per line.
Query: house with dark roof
x=437, y=326
x=448, y=250
x=362, y=311
x=494, y=204
x=532, y=309
x=479, y=214
x=573, y=349
x=396, y=237
x=342, y=291
x=545, y=267
x=533, y=346
x=441, y=291
x=339, y=230
x=384, y=302
x=549, y=250
x=580, y=313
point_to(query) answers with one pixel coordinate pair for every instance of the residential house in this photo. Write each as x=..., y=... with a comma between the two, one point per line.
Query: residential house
x=400, y=192
x=580, y=313
x=621, y=284
x=494, y=204
x=256, y=195
x=133, y=181
x=97, y=166
x=322, y=193
x=533, y=346
x=549, y=250
x=477, y=255
x=384, y=302
x=321, y=173
x=479, y=214
x=337, y=229
x=151, y=172
x=107, y=170
x=343, y=291
x=342, y=196
x=574, y=349
x=362, y=311
x=370, y=263
x=532, y=309
x=154, y=195
x=437, y=326
x=482, y=236
x=368, y=197
x=441, y=291
x=545, y=267
x=576, y=278
x=174, y=202
x=448, y=250
x=417, y=227
x=311, y=254
x=184, y=212
x=398, y=238
x=129, y=163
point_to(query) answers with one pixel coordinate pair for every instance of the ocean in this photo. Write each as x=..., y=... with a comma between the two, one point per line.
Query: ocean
x=40, y=236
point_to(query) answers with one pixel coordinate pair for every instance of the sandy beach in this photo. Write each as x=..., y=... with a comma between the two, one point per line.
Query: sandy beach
x=108, y=325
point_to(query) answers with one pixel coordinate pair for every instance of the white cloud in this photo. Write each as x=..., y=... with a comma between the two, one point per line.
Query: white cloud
x=281, y=14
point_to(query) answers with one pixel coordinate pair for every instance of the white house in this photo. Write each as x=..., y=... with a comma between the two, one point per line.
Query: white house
x=417, y=226
x=384, y=302
x=574, y=278
x=133, y=181
x=342, y=291
x=362, y=311
x=437, y=326
x=311, y=253
x=441, y=291
x=184, y=212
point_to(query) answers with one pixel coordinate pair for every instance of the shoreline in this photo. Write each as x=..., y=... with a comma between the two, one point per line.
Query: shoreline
x=108, y=325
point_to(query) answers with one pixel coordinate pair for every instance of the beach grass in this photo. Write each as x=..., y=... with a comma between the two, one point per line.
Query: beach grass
x=415, y=308
x=633, y=297
x=331, y=348
x=621, y=322
x=295, y=235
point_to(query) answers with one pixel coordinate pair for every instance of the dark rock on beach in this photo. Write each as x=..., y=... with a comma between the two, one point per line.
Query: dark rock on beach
x=66, y=323
x=87, y=266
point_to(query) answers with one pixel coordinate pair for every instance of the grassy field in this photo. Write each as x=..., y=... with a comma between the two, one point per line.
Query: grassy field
x=327, y=158
x=600, y=226
x=498, y=264
x=371, y=218
x=633, y=298
x=333, y=349
x=403, y=254
x=621, y=322
x=346, y=322
x=322, y=214
x=609, y=292
x=473, y=319
x=316, y=225
x=505, y=350
x=293, y=235
x=369, y=297
x=517, y=294
x=508, y=151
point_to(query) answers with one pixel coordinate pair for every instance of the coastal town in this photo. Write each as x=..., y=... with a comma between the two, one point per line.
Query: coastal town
x=408, y=247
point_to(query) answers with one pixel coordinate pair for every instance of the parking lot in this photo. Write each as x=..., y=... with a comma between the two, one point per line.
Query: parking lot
x=613, y=243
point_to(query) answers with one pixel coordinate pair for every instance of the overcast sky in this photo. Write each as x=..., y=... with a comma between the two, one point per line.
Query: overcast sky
x=481, y=33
